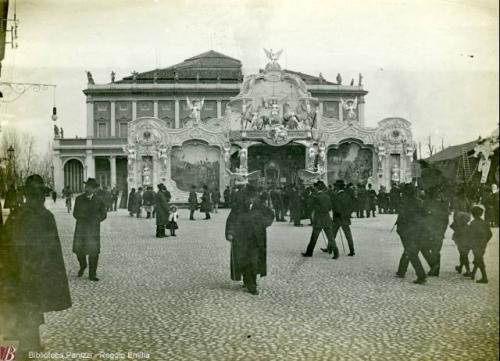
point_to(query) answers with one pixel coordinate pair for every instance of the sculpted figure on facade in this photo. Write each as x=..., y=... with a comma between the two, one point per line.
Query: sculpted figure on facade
x=273, y=56
x=163, y=154
x=350, y=107
x=395, y=173
x=484, y=151
x=311, y=157
x=226, y=147
x=131, y=154
x=243, y=159
x=195, y=107
x=146, y=175
x=321, y=157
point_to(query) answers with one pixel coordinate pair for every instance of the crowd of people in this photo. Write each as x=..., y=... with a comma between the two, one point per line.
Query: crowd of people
x=422, y=220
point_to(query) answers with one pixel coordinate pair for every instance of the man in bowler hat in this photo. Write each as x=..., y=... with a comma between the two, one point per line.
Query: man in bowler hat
x=342, y=209
x=321, y=221
x=89, y=212
x=32, y=273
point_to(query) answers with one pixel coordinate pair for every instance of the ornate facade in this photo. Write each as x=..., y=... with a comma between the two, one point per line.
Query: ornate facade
x=200, y=122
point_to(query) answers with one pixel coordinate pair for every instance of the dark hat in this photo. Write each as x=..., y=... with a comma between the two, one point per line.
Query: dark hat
x=92, y=182
x=320, y=185
x=162, y=187
x=339, y=183
x=34, y=182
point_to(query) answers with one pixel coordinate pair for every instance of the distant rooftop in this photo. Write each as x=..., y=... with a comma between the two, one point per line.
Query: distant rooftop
x=452, y=152
x=208, y=67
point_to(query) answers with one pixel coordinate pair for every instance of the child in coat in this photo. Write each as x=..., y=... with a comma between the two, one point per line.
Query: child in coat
x=479, y=233
x=172, y=220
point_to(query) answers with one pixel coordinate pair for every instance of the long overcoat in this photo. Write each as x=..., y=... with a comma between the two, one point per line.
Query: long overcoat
x=193, y=201
x=321, y=206
x=206, y=204
x=34, y=275
x=342, y=208
x=89, y=213
x=162, y=208
x=249, y=244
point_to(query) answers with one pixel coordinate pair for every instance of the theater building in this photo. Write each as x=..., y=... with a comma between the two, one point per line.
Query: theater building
x=203, y=122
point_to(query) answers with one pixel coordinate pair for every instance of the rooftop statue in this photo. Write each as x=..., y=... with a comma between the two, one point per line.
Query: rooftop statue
x=90, y=79
x=273, y=65
x=274, y=57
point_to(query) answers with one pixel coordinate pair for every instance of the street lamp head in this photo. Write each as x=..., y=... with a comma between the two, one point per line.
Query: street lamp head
x=10, y=151
x=54, y=114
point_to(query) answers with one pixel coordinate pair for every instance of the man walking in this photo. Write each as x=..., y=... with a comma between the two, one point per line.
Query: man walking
x=216, y=199
x=321, y=221
x=206, y=204
x=409, y=228
x=342, y=210
x=89, y=212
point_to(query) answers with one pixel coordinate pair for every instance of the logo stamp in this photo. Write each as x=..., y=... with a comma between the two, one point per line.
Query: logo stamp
x=7, y=353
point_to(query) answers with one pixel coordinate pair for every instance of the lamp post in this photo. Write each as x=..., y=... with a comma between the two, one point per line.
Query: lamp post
x=10, y=155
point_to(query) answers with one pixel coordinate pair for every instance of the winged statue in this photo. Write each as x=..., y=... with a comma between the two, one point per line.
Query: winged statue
x=243, y=177
x=195, y=108
x=350, y=106
x=273, y=56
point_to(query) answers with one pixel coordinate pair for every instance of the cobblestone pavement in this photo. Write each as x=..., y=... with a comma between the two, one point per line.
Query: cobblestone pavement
x=173, y=298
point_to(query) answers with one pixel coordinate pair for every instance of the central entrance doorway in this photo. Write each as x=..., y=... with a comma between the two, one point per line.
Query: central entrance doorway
x=277, y=165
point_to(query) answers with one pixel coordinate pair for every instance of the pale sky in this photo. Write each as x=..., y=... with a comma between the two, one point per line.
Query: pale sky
x=434, y=63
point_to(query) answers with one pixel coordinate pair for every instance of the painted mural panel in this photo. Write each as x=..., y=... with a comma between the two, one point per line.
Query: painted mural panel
x=196, y=164
x=350, y=163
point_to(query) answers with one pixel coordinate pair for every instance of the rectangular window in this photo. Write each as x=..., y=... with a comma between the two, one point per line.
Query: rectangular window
x=209, y=110
x=184, y=111
x=123, y=130
x=166, y=111
x=102, y=130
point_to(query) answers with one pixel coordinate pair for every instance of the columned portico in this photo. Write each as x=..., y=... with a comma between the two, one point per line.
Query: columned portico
x=112, y=162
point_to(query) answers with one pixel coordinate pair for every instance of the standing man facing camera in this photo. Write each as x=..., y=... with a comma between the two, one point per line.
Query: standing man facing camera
x=89, y=212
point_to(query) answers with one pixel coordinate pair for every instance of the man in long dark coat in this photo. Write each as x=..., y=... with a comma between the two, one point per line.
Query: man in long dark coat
x=342, y=209
x=409, y=228
x=193, y=202
x=206, y=204
x=32, y=273
x=371, y=196
x=435, y=225
x=321, y=221
x=277, y=201
x=295, y=206
x=227, y=197
x=148, y=201
x=361, y=201
x=131, y=201
x=162, y=210
x=246, y=230
x=89, y=212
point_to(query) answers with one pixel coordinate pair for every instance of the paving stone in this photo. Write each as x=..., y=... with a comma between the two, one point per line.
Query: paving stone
x=173, y=298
